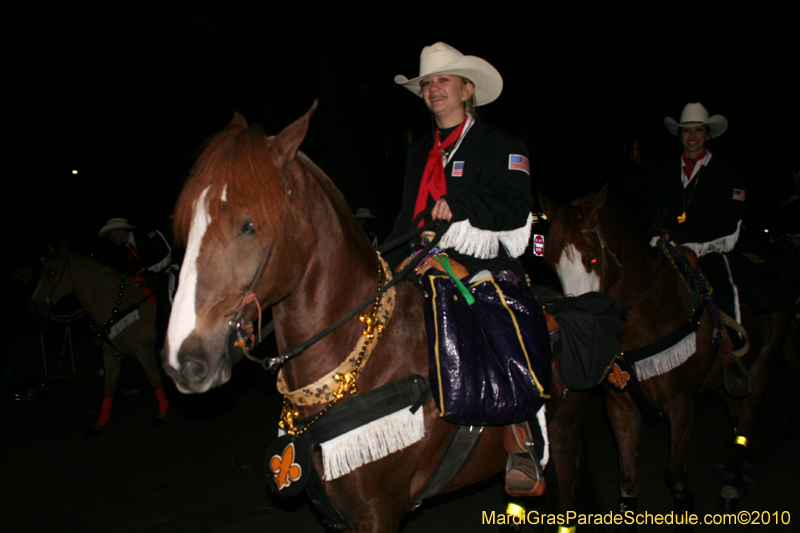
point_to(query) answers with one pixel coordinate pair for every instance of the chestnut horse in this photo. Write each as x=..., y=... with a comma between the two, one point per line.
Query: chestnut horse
x=102, y=290
x=593, y=247
x=259, y=218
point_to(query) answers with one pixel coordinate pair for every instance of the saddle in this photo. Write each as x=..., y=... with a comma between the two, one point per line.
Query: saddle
x=737, y=378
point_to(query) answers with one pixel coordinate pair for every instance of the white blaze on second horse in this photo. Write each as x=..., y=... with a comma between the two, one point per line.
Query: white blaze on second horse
x=573, y=275
x=183, y=319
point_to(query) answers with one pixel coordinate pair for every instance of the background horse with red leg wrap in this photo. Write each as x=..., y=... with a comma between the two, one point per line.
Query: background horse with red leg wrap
x=105, y=295
x=264, y=226
x=594, y=248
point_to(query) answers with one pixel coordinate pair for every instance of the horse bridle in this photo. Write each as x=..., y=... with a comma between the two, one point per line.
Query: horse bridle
x=48, y=299
x=243, y=329
x=604, y=249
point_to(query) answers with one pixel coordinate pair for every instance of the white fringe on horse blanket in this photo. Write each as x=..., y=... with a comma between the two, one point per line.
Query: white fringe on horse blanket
x=663, y=362
x=371, y=442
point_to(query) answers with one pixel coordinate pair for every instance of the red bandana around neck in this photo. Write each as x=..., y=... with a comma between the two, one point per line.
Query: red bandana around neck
x=433, y=181
x=690, y=163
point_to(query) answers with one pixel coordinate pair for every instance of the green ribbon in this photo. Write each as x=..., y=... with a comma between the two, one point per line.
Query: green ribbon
x=445, y=262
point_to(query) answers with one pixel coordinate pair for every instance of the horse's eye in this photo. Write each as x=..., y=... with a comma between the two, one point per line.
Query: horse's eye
x=51, y=273
x=591, y=262
x=247, y=228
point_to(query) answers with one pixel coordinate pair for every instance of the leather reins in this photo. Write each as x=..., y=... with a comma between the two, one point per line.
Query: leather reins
x=244, y=328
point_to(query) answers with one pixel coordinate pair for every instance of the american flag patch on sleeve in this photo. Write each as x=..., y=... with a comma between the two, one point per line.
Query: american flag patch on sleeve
x=458, y=168
x=519, y=162
x=738, y=194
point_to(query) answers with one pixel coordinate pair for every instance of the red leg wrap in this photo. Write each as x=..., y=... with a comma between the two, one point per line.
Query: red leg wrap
x=163, y=404
x=105, y=412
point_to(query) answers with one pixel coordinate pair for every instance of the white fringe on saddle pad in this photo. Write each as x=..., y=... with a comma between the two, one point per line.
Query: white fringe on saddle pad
x=541, y=417
x=662, y=362
x=371, y=442
x=485, y=244
x=124, y=322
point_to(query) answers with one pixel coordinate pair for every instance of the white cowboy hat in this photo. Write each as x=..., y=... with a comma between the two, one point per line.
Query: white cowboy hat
x=115, y=223
x=441, y=58
x=696, y=115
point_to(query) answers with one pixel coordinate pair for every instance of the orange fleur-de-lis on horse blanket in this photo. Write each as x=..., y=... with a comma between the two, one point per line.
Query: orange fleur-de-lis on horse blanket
x=286, y=471
x=619, y=377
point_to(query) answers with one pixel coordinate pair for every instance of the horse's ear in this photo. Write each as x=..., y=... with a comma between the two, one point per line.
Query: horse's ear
x=237, y=121
x=596, y=204
x=50, y=249
x=288, y=141
x=548, y=208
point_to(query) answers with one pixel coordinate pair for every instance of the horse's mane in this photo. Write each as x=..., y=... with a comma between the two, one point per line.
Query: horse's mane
x=238, y=161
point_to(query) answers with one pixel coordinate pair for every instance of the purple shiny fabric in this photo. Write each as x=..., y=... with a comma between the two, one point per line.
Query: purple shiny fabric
x=481, y=354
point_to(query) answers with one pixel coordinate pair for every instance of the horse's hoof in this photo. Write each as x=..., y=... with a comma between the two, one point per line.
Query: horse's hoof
x=159, y=421
x=625, y=506
x=729, y=499
x=683, y=500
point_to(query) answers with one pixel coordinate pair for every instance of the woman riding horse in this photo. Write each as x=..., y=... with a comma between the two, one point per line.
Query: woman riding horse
x=467, y=172
x=699, y=203
x=471, y=174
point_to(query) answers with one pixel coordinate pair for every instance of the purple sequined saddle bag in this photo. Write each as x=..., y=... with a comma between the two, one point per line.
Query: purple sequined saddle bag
x=489, y=361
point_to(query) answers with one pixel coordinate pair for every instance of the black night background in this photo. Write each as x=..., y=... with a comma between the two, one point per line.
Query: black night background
x=126, y=93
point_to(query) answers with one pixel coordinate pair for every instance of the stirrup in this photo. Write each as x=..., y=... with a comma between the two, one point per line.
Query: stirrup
x=523, y=476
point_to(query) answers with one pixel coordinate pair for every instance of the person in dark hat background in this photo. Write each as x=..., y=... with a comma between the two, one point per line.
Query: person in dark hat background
x=149, y=251
x=149, y=256
x=365, y=220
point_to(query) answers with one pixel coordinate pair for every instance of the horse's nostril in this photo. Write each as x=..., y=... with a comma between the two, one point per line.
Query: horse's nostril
x=194, y=370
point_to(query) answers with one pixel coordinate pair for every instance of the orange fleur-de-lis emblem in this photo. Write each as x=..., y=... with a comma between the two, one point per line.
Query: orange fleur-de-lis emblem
x=285, y=470
x=619, y=377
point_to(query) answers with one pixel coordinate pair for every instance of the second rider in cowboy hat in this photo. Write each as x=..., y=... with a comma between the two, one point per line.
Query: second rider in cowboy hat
x=699, y=201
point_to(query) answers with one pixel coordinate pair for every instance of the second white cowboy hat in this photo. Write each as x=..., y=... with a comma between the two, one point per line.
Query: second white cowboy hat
x=696, y=115
x=115, y=223
x=441, y=58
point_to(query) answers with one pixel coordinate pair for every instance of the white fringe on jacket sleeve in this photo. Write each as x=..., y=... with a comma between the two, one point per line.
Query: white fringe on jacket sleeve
x=465, y=238
x=672, y=357
x=722, y=245
x=371, y=442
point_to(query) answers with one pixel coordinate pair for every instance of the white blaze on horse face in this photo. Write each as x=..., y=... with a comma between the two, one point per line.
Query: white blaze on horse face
x=572, y=273
x=183, y=318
